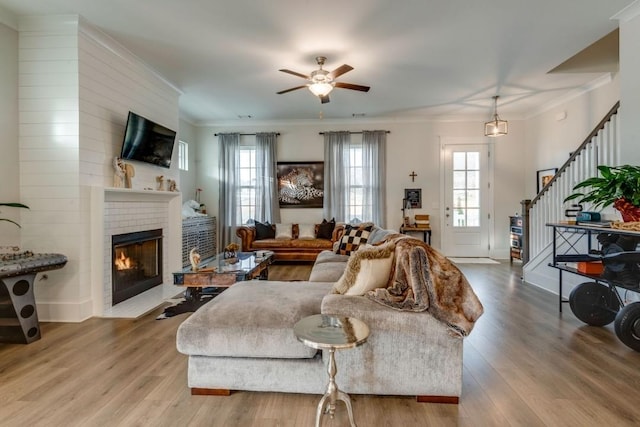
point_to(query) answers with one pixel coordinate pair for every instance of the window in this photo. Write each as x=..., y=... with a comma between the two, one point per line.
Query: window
x=356, y=205
x=183, y=156
x=354, y=176
x=246, y=189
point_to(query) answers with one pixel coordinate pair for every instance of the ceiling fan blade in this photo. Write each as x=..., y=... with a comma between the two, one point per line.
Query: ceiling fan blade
x=352, y=86
x=291, y=89
x=340, y=71
x=324, y=99
x=295, y=73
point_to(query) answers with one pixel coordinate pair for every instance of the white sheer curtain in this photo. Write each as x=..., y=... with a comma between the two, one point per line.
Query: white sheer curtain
x=346, y=182
x=374, y=154
x=336, y=176
x=229, y=162
x=267, y=205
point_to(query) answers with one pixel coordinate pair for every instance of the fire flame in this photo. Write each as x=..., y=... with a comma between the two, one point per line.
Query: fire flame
x=123, y=262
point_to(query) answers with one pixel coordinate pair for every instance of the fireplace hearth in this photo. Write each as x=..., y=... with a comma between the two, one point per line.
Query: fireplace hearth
x=136, y=263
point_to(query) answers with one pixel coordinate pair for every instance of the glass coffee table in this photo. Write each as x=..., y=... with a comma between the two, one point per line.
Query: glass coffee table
x=332, y=333
x=219, y=272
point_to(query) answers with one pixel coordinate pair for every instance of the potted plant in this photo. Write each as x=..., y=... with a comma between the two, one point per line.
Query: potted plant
x=618, y=186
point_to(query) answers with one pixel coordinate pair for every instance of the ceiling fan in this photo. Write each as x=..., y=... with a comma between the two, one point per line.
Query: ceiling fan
x=321, y=81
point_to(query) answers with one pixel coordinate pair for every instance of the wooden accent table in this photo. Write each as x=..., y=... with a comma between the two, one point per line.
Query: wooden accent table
x=426, y=232
x=218, y=272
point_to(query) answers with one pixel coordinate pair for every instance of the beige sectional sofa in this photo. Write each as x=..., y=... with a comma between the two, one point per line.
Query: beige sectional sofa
x=244, y=340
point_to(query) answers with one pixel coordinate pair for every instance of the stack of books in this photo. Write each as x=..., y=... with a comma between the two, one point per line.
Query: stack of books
x=422, y=221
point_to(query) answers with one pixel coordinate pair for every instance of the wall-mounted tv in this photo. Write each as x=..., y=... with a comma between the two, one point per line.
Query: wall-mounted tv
x=147, y=141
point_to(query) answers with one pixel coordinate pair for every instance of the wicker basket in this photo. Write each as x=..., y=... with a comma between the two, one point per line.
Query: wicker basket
x=629, y=226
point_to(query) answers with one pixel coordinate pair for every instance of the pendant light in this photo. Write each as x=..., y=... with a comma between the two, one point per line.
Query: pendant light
x=496, y=127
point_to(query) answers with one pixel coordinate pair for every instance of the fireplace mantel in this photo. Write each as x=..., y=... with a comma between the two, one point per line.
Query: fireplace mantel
x=128, y=194
x=164, y=207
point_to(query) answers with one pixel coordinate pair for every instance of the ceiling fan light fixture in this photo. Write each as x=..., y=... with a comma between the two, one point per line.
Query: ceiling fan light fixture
x=496, y=127
x=320, y=89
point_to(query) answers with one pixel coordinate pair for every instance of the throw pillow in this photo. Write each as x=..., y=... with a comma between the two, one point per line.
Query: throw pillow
x=367, y=269
x=264, y=231
x=352, y=238
x=325, y=229
x=307, y=231
x=284, y=231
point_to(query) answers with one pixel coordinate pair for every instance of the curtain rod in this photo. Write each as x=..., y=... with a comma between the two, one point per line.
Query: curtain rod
x=353, y=133
x=250, y=134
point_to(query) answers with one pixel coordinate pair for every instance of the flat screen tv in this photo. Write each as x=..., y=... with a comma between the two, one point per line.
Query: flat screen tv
x=147, y=141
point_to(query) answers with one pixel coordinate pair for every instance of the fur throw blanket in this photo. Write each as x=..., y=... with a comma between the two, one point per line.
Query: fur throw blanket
x=422, y=279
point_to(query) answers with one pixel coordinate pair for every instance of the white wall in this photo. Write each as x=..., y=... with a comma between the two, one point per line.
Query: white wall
x=630, y=84
x=76, y=88
x=411, y=146
x=550, y=139
x=9, y=170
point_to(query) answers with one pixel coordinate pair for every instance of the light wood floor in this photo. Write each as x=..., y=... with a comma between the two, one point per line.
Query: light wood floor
x=524, y=365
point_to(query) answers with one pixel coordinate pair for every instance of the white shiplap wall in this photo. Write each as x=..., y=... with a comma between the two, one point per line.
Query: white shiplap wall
x=76, y=87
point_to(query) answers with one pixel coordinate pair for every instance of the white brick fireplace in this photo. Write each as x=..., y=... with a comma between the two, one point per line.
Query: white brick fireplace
x=118, y=211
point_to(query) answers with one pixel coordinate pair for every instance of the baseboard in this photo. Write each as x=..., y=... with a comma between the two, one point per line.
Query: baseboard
x=71, y=312
x=438, y=399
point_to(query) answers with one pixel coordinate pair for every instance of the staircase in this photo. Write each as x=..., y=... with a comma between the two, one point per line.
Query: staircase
x=601, y=147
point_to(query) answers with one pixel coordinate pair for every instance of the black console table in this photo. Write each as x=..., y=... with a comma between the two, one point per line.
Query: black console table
x=597, y=301
x=18, y=316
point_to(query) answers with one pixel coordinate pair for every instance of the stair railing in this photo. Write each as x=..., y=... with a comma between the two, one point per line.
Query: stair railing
x=599, y=148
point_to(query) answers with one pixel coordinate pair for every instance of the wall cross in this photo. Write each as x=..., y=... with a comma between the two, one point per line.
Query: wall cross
x=413, y=176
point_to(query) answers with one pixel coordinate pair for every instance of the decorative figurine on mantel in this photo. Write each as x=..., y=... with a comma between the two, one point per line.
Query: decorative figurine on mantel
x=129, y=172
x=160, y=181
x=194, y=258
x=118, y=175
x=172, y=185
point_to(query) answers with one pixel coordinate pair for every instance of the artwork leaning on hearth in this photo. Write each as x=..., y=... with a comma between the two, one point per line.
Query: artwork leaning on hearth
x=301, y=184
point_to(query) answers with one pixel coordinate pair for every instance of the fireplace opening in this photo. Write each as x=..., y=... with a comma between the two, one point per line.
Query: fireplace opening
x=137, y=263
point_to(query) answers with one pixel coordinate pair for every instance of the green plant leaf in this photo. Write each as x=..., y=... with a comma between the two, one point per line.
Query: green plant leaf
x=612, y=183
x=15, y=205
x=12, y=222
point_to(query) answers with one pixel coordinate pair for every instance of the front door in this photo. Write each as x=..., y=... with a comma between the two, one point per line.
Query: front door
x=466, y=213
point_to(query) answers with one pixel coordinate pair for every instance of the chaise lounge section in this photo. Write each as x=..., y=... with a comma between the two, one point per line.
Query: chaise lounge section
x=244, y=340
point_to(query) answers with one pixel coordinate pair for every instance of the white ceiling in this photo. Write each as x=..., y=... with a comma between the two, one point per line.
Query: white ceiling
x=422, y=58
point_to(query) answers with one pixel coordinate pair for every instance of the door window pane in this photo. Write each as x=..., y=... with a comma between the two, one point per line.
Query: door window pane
x=459, y=162
x=466, y=189
x=459, y=180
x=473, y=198
x=473, y=179
x=473, y=217
x=473, y=160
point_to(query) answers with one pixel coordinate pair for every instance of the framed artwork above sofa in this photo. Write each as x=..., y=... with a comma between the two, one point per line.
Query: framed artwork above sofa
x=300, y=184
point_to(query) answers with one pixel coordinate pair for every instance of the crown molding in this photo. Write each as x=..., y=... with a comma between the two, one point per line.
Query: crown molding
x=628, y=13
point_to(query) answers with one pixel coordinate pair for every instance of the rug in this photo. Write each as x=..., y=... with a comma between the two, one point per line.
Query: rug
x=473, y=261
x=181, y=305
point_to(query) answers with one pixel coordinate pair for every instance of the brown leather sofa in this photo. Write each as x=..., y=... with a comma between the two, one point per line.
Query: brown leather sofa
x=293, y=249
